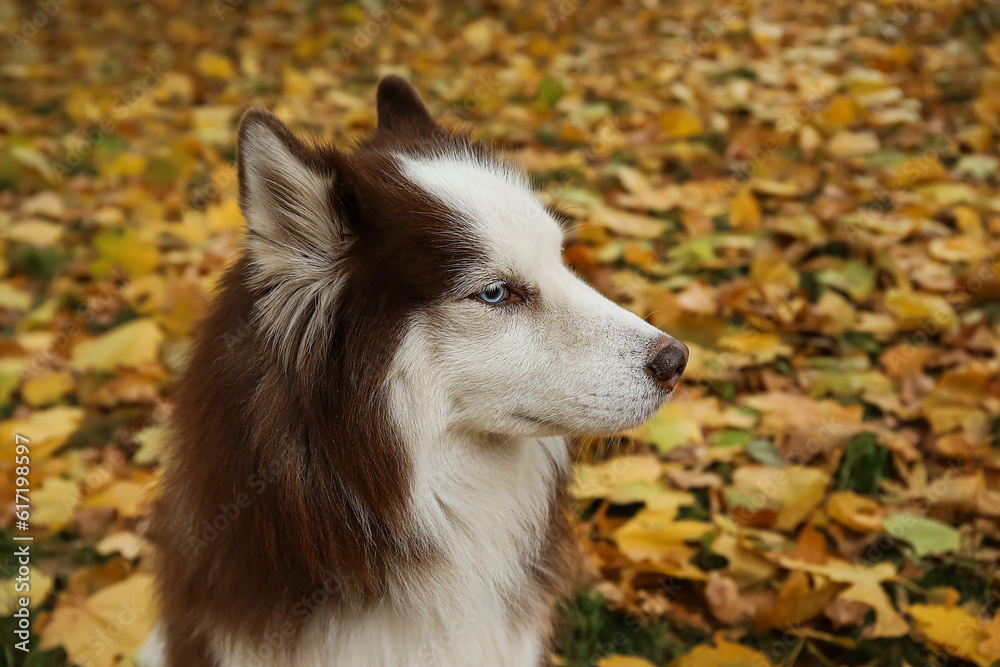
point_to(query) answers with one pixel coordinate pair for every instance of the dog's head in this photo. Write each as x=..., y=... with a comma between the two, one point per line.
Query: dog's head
x=422, y=266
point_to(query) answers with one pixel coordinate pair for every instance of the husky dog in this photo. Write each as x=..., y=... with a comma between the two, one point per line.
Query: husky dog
x=368, y=465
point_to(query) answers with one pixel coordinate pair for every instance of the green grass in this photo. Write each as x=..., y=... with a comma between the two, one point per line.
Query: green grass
x=588, y=631
x=36, y=263
x=865, y=465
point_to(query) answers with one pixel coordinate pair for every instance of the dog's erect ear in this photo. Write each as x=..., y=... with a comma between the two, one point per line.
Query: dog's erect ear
x=400, y=109
x=284, y=183
x=294, y=234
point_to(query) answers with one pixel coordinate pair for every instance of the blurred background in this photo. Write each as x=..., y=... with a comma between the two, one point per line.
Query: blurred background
x=805, y=193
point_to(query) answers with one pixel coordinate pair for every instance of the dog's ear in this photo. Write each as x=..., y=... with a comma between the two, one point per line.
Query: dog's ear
x=400, y=109
x=285, y=185
x=294, y=235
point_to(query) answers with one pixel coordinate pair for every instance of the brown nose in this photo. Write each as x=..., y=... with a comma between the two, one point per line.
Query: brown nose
x=667, y=364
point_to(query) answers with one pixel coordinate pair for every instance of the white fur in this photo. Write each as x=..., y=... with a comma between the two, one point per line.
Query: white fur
x=572, y=358
x=482, y=398
x=153, y=651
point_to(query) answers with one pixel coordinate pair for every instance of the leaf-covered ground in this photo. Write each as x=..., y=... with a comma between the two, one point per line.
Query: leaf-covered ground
x=804, y=192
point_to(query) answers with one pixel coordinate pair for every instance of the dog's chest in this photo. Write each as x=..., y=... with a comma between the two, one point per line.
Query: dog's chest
x=386, y=637
x=482, y=601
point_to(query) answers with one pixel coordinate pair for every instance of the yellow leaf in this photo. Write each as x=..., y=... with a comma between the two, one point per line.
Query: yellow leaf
x=55, y=503
x=746, y=567
x=990, y=647
x=39, y=585
x=951, y=629
x=213, y=124
x=793, y=492
x=127, y=608
x=479, y=35
x=959, y=249
x=126, y=164
x=916, y=310
x=848, y=144
x=888, y=622
x=295, y=84
x=634, y=180
x=124, y=496
x=839, y=311
x=125, y=543
x=134, y=344
x=38, y=233
x=657, y=535
x=130, y=250
x=10, y=377
x=744, y=211
x=624, y=661
x=151, y=441
x=673, y=426
x=34, y=159
x=856, y=512
x=14, y=298
x=837, y=114
x=212, y=64
x=46, y=389
x=47, y=430
x=225, y=216
x=842, y=571
x=627, y=224
x=724, y=654
x=948, y=194
x=800, y=599
x=679, y=122
x=573, y=133
x=601, y=480
x=967, y=221
x=761, y=348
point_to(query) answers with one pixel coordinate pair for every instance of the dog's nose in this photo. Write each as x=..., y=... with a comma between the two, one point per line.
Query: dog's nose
x=668, y=361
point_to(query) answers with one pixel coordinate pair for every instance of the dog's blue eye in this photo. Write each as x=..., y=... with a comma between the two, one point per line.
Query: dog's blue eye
x=494, y=294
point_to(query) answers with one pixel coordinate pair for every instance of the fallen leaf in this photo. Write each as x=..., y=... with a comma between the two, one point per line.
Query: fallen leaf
x=723, y=597
x=40, y=587
x=133, y=344
x=888, y=622
x=46, y=430
x=55, y=503
x=793, y=492
x=926, y=536
x=723, y=654
x=121, y=614
x=856, y=512
x=624, y=661
x=951, y=629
